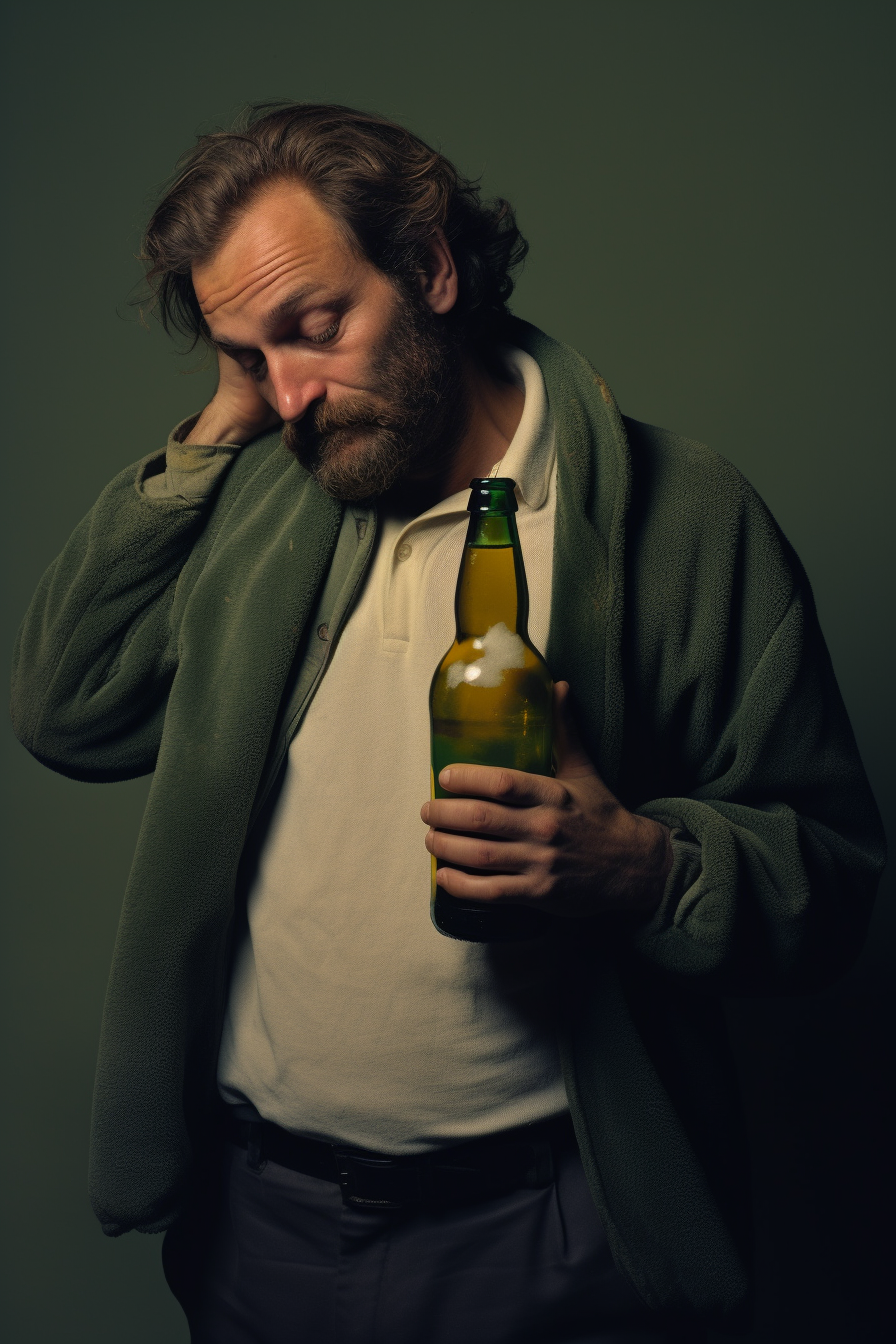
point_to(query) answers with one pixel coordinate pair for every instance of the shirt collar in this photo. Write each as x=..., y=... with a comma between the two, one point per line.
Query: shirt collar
x=531, y=452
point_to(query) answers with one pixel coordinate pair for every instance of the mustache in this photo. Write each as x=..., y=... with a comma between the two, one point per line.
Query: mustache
x=354, y=412
x=327, y=419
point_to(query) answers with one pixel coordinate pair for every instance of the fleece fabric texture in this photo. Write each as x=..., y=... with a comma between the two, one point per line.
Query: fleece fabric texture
x=166, y=636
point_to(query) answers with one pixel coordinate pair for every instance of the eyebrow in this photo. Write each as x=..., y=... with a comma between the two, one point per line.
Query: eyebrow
x=285, y=308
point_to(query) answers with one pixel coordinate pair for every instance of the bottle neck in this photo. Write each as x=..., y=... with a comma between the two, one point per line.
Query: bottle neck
x=491, y=586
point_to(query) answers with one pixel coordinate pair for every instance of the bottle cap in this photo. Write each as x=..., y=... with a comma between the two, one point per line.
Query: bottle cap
x=492, y=495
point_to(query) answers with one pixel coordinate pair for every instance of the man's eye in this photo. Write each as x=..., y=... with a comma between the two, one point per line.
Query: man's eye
x=325, y=335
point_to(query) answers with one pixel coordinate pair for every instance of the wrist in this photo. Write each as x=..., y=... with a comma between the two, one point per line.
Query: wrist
x=651, y=863
x=217, y=424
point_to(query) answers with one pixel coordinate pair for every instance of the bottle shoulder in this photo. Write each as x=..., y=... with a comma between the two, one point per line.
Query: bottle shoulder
x=468, y=651
x=498, y=646
x=487, y=677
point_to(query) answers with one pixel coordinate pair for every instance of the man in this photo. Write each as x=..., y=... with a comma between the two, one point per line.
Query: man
x=354, y=1127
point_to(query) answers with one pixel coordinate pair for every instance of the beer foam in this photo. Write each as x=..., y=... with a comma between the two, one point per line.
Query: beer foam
x=502, y=649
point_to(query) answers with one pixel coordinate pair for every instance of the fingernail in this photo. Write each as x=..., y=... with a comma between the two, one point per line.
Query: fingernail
x=444, y=778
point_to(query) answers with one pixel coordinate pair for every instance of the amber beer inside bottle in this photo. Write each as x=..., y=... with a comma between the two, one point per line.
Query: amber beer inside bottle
x=491, y=695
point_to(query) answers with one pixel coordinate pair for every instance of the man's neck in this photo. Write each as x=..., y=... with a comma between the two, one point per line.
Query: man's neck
x=495, y=411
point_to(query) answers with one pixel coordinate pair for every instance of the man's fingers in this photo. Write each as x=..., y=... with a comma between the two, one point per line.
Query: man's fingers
x=482, y=852
x=516, y=788
x=509, y=887
x=478, y=815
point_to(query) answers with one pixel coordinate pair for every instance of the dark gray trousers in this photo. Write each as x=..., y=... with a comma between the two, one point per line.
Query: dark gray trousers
x=274, y=1257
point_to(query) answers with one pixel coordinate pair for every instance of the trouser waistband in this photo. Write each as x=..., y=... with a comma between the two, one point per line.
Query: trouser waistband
x=466, y=1172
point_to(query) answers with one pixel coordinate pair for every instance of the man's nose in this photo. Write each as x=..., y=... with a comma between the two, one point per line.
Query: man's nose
x=294, y=388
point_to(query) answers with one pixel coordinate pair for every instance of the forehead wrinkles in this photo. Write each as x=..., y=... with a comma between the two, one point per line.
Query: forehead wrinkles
x=246, y=284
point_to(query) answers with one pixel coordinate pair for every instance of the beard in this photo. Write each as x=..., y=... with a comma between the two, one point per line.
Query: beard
x=360, y=446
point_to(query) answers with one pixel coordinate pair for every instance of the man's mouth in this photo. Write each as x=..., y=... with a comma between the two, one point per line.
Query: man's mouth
x=340, y=434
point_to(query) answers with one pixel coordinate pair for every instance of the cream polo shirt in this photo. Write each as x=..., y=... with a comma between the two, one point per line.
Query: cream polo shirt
x=350, y=1017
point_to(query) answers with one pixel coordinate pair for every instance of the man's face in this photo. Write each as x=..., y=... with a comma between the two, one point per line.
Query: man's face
x=366, y=377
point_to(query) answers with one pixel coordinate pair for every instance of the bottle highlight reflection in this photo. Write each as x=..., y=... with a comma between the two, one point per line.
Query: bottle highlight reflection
x=491, y=695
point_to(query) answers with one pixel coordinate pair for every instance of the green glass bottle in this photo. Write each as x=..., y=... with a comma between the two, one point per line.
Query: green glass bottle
x=491, y=696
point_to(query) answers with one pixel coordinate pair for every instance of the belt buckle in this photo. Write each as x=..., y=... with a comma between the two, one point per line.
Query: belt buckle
x=369, y=1182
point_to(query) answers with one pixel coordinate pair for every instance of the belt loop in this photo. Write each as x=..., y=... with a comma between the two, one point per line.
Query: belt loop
x=254, y=1159
x=542, y=1171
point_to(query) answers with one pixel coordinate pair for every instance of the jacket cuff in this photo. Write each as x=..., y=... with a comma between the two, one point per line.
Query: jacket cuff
x=188, y=471
x=687, y=866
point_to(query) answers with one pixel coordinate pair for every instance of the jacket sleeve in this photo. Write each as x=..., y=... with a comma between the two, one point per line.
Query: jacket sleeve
x=97, y=650
x=777, y=840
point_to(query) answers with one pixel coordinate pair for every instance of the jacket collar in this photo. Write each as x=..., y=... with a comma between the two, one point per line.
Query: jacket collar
x=593, y=496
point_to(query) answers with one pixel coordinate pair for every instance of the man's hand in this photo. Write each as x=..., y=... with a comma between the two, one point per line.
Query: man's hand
x=237, y=412
x=564, y=844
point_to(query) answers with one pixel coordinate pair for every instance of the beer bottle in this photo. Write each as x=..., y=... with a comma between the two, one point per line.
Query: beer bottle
x=491, y=695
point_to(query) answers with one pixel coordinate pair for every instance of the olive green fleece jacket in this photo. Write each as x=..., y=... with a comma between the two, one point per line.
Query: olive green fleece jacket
x=166, y=636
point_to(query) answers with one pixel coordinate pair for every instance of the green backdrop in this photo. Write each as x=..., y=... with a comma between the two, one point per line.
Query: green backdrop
x=704, y=187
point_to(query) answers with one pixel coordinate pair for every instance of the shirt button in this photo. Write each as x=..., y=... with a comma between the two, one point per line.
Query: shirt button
x=403, y=551
x=323, y=632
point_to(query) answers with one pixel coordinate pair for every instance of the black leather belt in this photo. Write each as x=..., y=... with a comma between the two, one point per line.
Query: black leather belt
x=462, y=1174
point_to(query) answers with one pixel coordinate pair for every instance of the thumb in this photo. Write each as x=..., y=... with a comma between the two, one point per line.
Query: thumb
x=570, y=757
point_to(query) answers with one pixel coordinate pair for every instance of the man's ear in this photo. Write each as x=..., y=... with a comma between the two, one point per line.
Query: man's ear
x=438, y=283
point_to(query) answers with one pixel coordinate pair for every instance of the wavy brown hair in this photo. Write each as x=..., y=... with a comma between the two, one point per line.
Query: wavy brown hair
x=385, y=188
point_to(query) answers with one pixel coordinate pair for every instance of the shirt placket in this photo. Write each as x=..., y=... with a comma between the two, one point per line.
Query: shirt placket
x=403, y=580
x=411, y=548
